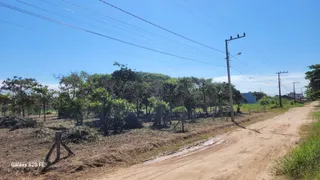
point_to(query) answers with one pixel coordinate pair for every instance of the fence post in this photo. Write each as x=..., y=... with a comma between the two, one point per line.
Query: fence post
x=58, y=142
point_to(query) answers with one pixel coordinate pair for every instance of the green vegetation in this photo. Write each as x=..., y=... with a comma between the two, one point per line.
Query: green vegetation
x=126, y=95
x=267, y=103
x=313, y=89
x=303, y=162
x=118, y=98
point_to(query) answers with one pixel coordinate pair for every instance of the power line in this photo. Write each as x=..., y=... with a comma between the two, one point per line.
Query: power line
x=204, y=14
x=241, y=72
x=48, y=2
x=239, y=60
x=258, y=73
x=94, y=33
x=194, y=51
x=7, y=22
x=160, y=27
x=45, y=10
x=135, y=27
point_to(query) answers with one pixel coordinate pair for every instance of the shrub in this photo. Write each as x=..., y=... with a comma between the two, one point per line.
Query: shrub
x=132, y=122
x=179, y=109
x=265, y=101
x=80, y=134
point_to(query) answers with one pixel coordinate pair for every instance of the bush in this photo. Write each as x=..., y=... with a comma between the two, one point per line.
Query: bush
x=132, y=122
x=179, y=109
x=49, y=112
x=265, y=101
x=80, y=134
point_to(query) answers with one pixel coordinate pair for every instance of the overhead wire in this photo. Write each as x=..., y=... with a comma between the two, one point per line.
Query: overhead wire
x=13, y=24
x=195, y=50
x=186, y=48
x=94, y=33
x=160, y=27
x=209, y=17
x=170, y=54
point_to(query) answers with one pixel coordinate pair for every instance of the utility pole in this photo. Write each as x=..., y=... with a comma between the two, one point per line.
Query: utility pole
x=228, y=69
x=294, y=90
x=279, y=84
x=302, y=96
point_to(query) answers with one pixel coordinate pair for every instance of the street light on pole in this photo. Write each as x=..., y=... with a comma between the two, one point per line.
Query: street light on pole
x=228, y=70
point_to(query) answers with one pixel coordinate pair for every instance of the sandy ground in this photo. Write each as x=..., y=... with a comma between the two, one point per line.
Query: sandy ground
x=246, y=153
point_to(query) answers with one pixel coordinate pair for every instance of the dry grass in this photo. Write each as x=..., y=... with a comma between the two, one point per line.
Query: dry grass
x=25, y=145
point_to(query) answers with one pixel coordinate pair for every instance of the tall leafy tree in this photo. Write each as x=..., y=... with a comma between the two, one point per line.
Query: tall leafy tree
x=121, y=79
x=44, y=96
x=5, y=100
x=20, y=89
x=101, y=103
x=313, y=88
x=205, y=89
x=186, y=94
x=72, y=97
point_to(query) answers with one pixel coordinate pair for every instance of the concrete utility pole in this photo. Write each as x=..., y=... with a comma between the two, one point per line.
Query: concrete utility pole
x=279, y=84
x=301, y=95
x=228, y=69
x=294, y=90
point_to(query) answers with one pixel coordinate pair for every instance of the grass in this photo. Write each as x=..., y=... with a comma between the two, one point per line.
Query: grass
x=246, y=108
x=303, y=162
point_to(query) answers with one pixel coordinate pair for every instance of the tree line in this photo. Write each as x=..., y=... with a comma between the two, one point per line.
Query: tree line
x=120, y=99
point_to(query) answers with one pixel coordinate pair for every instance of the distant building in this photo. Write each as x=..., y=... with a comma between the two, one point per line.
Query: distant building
x=249, y=98
x=298, y=95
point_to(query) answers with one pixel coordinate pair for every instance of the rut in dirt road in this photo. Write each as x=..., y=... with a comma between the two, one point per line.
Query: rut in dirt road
x=246, y=153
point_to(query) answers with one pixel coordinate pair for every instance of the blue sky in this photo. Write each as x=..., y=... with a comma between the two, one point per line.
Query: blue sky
x=281, y=36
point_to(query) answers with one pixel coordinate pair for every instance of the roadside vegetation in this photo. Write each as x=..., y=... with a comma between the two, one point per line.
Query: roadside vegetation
x=303, y=162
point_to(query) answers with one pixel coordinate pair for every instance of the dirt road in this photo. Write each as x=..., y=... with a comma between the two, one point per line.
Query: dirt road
x=241, y=154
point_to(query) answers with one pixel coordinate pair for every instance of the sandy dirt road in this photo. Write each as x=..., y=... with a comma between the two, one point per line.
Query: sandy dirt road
x=241, y=154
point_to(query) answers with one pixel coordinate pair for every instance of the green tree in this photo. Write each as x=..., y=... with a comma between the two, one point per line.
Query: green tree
x=181, y=110
x=101, y=103
x=205, y=89
x=169, y=93
x=259, y=95
x=20, y=89
x=186, y=94
x=73, y=102
x=44, y=95
x=5, y=100
x=237, y=98
x=160, y=107
x=120, y=109
x=121, y=79
x=313, y=88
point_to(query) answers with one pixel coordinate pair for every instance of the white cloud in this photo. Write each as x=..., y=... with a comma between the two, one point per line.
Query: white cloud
x=266, y=83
